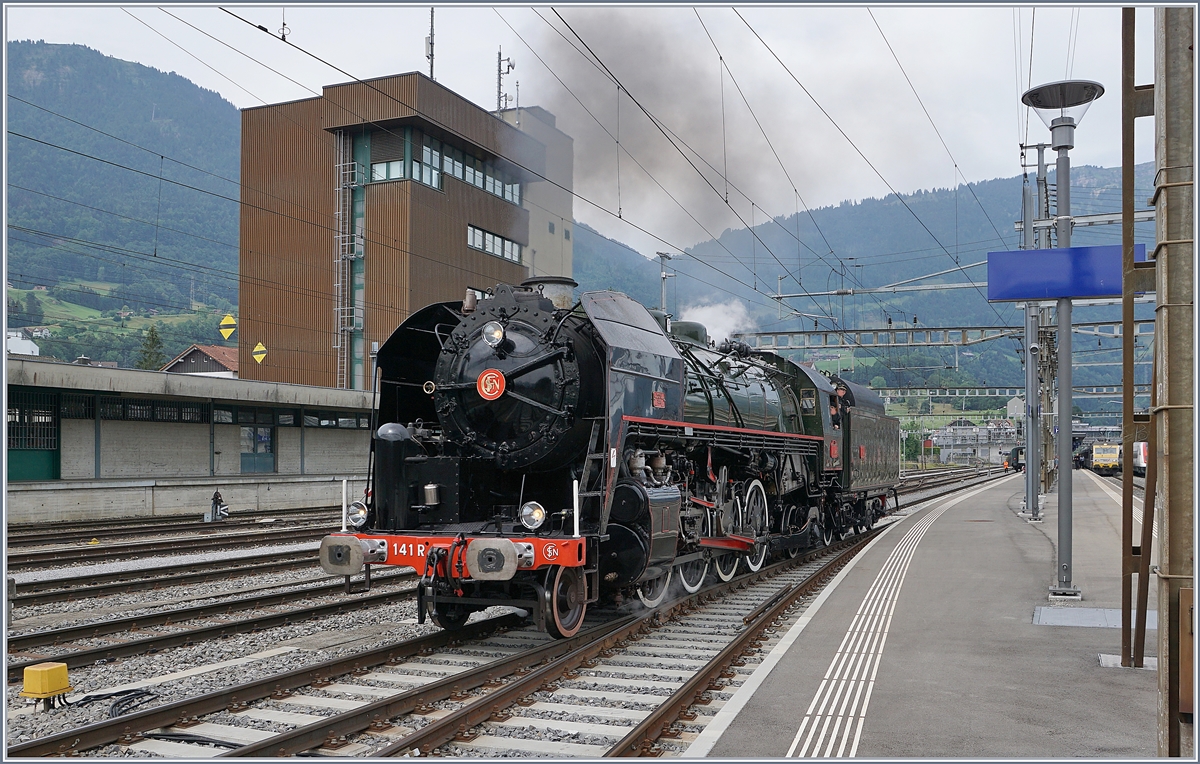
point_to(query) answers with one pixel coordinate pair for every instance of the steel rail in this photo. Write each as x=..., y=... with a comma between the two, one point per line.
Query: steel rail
x=641, y=738
x=136, y=522
x=163, y=641
x=23, y=642
x=28, y=588
x=81, y=592
x=67, y=536
x=77, y=554
x=71, y=742
x=376, y=714
x=479, y=710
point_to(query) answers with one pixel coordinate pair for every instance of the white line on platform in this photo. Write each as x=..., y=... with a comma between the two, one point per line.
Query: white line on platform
x=1137, y=503
x=837, y=712
x=704, y=742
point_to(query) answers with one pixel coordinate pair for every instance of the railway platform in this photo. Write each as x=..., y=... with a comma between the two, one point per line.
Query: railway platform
x=940, y=640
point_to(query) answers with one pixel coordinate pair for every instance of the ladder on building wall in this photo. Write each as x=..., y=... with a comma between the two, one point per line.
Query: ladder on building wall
x=346, y=247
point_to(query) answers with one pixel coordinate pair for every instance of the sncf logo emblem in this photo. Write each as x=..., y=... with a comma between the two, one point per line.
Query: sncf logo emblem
x=550, y=552
x=490, y=384
x=659, y=400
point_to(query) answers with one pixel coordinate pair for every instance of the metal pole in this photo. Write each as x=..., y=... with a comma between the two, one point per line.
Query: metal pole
x=345, y=507
x=1065, y=473
x=1062, y=131
x=663, y=257
x=1032, y=413
x=1173, y=412
x=1127, y=339
x=1043, y=191
x=429, y=44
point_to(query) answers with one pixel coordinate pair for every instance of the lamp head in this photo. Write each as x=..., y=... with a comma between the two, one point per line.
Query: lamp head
x=1061, y=106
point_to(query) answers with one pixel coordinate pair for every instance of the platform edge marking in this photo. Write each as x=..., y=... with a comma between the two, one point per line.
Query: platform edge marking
x=705, y=741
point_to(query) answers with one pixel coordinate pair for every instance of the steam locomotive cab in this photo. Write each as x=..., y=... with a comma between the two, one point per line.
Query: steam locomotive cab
x=541, y=453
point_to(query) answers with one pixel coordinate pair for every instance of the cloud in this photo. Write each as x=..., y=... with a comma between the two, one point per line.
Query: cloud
x=721, y=319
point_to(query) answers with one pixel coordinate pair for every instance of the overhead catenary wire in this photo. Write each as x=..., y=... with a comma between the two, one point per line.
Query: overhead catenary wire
x=856, y=148
x=624, y=149
x=751, y=211
x=932, y=124
x=706, y=262
x=670, y=139
x=779, y=160
x=672, y=136
x=274, y=211
x=539, y=176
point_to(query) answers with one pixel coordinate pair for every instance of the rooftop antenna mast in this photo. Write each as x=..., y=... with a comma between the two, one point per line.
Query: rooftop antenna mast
x=284, y=31
x=429, y=44
x=503, y=67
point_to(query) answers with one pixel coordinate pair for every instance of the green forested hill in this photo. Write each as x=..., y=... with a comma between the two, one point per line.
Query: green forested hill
x=117, y=220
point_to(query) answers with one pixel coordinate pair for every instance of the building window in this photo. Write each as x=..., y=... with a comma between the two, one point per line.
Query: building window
x=435, y=158
x=477, y=238
x=387, y=171
x=258, y=449
x=566, y=233
x=551, y=226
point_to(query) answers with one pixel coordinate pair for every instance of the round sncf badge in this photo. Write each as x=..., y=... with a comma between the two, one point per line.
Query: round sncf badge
x=490, y=384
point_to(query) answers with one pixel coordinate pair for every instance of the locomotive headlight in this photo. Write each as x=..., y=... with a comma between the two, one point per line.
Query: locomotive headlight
x=357, y=514
x=532, y=515
x=493, y=333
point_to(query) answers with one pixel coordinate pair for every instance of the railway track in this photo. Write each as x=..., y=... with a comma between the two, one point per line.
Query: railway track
x=396, y=692
x=179, y=633
x=138, y=524
x=181, y=545
x=91, y=585
x=426, y=692
x=35, y=539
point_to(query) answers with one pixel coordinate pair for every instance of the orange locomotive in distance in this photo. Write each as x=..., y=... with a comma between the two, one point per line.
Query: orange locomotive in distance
x=541, y=452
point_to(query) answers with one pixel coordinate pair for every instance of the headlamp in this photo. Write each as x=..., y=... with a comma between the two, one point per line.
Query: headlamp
x=493, y=333
x=357, y=514
x=532, y=515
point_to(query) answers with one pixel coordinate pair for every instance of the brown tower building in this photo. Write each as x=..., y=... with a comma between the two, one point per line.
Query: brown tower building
x=364, y=205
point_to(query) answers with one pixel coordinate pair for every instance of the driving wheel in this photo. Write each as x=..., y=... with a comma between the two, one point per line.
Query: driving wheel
x=756, y=524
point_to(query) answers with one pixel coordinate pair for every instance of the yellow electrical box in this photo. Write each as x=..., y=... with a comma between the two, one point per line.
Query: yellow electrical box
x=46, y=680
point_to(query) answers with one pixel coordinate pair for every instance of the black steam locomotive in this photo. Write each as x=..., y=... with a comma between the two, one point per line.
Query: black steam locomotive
x=542, y=453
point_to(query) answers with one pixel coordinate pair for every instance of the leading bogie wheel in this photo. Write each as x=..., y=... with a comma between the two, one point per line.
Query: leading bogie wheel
x=568, y=602
x=654, y=591
x=756, y=524
x=449, y=616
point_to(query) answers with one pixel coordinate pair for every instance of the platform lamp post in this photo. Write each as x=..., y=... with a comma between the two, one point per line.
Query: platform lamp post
x=1061, y=105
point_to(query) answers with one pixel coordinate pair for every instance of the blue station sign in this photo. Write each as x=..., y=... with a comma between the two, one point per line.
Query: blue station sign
x=1050, y=274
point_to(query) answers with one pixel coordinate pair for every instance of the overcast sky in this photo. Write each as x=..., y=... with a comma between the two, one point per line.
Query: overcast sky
x=968, y=66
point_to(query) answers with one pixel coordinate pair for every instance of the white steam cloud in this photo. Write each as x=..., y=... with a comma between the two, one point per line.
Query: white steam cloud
x=721, y=319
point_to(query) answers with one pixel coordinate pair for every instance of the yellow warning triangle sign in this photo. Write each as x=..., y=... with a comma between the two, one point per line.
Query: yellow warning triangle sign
x=227, y=326
x=260, y=352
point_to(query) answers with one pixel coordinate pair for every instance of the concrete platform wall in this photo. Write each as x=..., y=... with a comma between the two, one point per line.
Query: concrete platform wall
x=73, y=501
x=157, y=468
